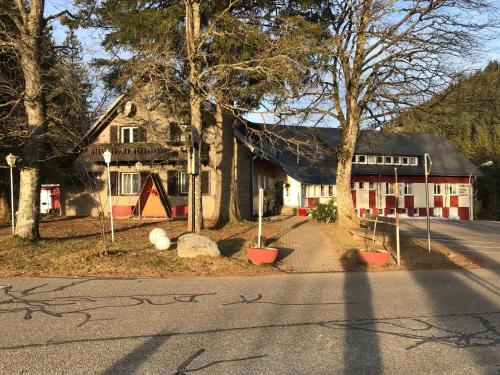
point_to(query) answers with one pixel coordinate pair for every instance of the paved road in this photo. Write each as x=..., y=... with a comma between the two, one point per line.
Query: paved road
x=427, y=322
x=481, y=238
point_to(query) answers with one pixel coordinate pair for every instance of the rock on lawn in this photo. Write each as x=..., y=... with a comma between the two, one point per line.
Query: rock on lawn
x=193, y=245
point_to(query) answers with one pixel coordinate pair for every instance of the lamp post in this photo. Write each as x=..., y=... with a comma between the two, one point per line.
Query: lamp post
x=107, y=159
x=471, y=200
x=427, y=166
x=11, y=161
x=138, y=168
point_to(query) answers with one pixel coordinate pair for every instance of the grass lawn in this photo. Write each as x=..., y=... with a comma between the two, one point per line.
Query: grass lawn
x=74, y=247
x=414, y=253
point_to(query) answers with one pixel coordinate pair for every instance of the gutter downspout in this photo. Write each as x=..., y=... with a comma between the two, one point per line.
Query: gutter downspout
x=252, y=181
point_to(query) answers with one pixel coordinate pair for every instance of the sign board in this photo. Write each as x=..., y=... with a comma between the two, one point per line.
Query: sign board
x=463, y=190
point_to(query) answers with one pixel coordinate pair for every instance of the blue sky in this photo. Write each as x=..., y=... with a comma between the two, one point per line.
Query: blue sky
x=91, y=40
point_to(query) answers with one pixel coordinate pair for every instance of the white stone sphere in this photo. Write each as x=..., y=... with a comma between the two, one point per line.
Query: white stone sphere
x=156, y=233
x=162, y=243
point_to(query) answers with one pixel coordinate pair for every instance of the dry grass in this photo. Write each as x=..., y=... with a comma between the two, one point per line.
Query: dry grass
x=73, y=247
x=414, y=254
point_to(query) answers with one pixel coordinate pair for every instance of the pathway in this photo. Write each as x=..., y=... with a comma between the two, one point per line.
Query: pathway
x=303, y=248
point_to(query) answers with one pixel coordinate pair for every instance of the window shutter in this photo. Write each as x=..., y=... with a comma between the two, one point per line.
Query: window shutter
x=115, y=182
x=113, y=134
x=172, y=183
x=205, y=182
x=141, y=134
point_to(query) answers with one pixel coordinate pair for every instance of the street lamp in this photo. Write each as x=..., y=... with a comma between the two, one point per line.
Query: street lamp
x=138, y=168
x=107, y=159
x=11, y=161
x=488, y=163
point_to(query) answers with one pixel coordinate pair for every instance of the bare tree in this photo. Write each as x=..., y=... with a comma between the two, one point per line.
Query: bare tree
x=380, y=57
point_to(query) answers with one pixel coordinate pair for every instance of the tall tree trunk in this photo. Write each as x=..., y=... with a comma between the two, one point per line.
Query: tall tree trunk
x=221, y=155
x=28, y=218
x=193, y=44
x=234, y=210
x=4, y=206
x=345, y=206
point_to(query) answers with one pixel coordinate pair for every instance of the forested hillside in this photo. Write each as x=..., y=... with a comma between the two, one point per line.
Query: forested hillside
x=468, y=113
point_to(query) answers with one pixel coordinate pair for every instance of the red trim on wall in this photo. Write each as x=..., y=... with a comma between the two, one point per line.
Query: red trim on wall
x=432, y=179
x=372, y=199
x=438, y=201
x=454, y=201
x=353, y=193
x=122, y=211
x=446, y=212
x=362, y=212
x=390, y=201
x=463, y=213
x=409, y=204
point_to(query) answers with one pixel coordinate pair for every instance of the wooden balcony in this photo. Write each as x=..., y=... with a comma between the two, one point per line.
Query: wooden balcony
x=133, y=152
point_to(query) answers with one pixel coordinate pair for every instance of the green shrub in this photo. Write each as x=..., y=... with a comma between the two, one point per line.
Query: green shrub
x=325, y=212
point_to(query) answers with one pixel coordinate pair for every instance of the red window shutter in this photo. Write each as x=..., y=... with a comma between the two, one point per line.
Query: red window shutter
x=115, y=182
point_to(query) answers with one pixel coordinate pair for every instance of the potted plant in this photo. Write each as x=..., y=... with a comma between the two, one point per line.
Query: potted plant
x=258, y=253
x=372, y=255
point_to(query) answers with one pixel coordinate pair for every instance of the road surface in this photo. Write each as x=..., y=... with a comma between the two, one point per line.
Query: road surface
x=422, y=322
x=479, y=238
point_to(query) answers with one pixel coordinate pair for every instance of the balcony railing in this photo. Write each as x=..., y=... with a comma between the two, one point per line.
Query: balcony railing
x=132, y=152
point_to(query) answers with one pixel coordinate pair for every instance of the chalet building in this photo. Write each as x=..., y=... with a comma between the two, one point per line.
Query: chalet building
x=294, y=171
x=307, y=181
x=136, y=129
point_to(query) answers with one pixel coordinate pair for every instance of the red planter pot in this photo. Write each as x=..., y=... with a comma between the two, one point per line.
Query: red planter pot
x=302, y=211
x=262, y=256
x=371, y=257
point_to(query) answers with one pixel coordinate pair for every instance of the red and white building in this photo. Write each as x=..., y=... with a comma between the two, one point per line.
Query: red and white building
x=301, y=182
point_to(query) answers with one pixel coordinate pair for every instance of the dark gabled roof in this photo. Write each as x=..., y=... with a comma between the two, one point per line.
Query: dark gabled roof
x=446, y=159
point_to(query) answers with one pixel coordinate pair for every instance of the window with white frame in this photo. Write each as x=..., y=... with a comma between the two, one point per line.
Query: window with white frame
x=361, y=159
x=129, y=134
x=405, y=160
x=453, y=189
x=413, y=160
x=380, y=211
x=437, y=189
x=404, y=211
x=408, y=189
x=389, y=188
x=184, y=183
x=371, y=186
x=368, y=211
x=330, y=190
x=361, y=185
x=415, y=212
x=388, y=160
x=392, y=211
x=355, y=159
x=380, y=160
x=322, y=190
x=397, y=160
x=130, y=183
x=372, y=159
x=353, y=186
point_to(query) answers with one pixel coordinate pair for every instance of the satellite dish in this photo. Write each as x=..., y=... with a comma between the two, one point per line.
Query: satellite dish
x=129, y=109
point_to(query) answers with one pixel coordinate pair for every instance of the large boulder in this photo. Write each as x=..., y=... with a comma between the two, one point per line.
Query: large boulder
x=193, y=245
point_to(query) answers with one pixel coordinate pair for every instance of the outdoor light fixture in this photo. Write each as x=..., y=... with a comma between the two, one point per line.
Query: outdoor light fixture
x=138, y=168
x=107, y=159
x=488, y=163
x=11, y=161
